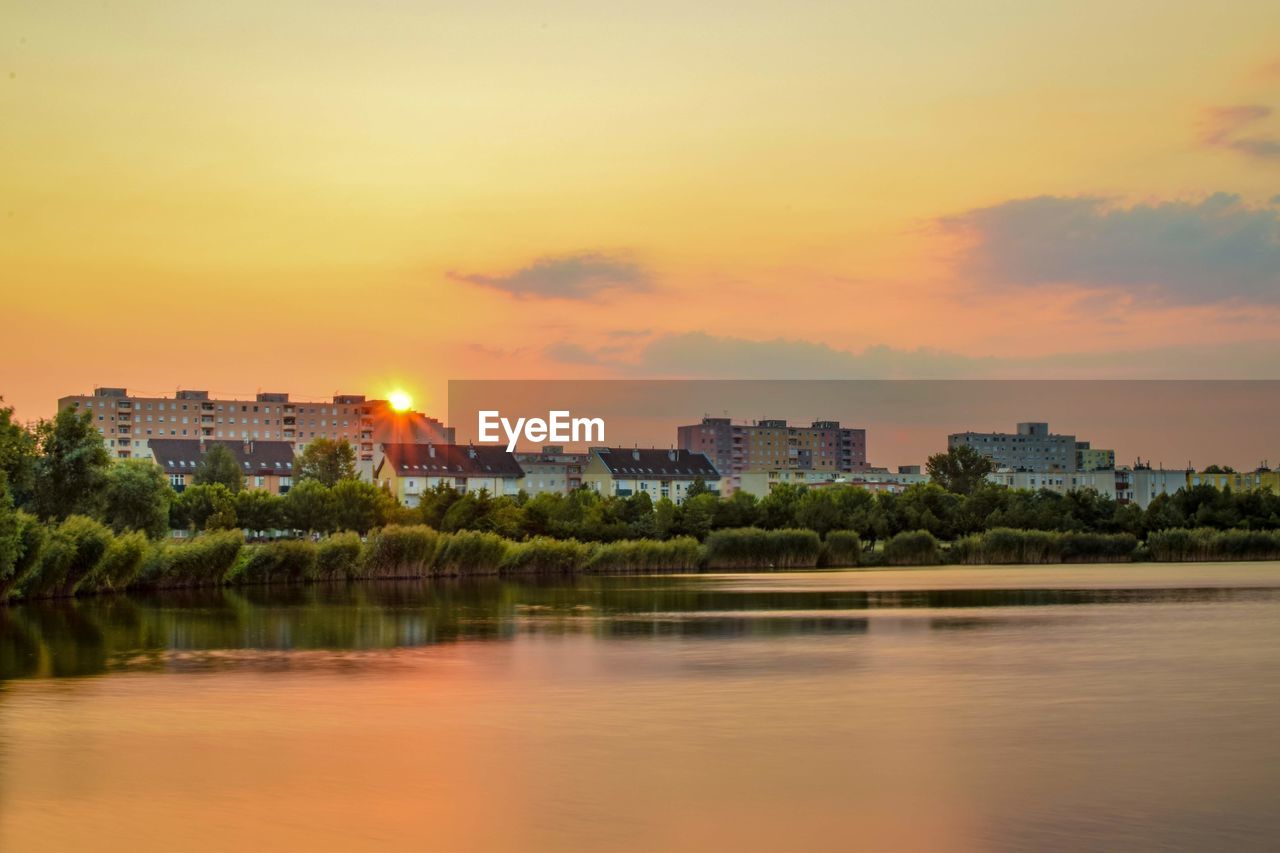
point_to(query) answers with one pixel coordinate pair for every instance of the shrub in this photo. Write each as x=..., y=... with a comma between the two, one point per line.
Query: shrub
x=71, y=551
x=338, y=556
x=542, y=555
x=753, y=548
x=841, y=548
x=470, y=552
x=681, y=554
x=400, y=551
x=285, y=561
x=912, y=548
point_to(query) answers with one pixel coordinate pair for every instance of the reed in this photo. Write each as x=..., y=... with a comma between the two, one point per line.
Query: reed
x=1202, y=543
x=681, y=554
x=841, y=548
x=542, y=555
x=753, y=548
x=912, y=548
x=399, y=551
x=338, y=557
x=285, y=561
x=1004, y=546
x=119, y=565
x=470, y=552
x=69, y=554
x=201, y=561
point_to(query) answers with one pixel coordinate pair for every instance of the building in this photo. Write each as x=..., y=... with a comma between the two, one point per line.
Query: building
x=773, y=444
x=129, y=422
x=760, y=483
x=1146, y=483
x=267, y=465
x=409, y=470
x=1094, y=459
x=625, y=471
x=1139, y=485
x=1261, y=478
x=1031, y=448
x=551, y=470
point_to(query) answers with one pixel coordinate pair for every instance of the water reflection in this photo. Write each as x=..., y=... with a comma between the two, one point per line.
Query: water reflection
x=227, y=628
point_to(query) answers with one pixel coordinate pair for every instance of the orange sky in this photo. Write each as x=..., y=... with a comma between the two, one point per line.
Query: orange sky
x=327, y=197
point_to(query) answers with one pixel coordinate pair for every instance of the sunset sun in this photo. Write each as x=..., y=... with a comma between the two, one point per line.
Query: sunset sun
x=400, y=401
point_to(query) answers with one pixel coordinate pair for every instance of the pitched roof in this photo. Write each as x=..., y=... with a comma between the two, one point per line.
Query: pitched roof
x=182, y=455
x=451, y=460
x=637, y=462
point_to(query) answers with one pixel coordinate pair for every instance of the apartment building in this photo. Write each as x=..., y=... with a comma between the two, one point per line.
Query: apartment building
x=774, y=445
x=623, y=472
x=129, y=422
x=1237, y=481
x=410, y=470
x=1031, y=448
x=1138, y=485
x=1094, y=458
x=551, y=470
x=267, y=465
x=760, y=483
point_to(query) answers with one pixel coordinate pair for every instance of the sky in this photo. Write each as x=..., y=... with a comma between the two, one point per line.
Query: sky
x=329, y=197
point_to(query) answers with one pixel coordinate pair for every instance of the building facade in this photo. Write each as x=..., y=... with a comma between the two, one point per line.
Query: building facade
x=622, y=472
x=1237, y=481
x=128, y=422
x=774, y=444
x=267, y=465
x=1094, y=458
x=410, y=470
x=1124, y=485
x=551, y=470
x=760, y=483
x=1031, y=448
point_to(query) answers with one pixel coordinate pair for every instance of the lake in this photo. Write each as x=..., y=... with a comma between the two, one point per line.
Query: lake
x=954, y=709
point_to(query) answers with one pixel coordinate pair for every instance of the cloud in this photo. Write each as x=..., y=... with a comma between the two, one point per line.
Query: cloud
x=580, y=276
x=1215, y=250
x=1223, y=127
x=703, y=356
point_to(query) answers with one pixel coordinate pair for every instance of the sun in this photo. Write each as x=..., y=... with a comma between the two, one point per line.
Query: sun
x=400, y=401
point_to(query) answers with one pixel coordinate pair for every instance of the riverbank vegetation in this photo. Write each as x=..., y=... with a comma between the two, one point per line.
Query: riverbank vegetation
x=74, y=522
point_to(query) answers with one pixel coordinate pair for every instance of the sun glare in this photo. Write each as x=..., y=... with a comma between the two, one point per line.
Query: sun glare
x=400, y=401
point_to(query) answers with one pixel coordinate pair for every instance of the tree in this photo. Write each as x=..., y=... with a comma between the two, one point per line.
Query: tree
x=17, y=457
x=359, y=506
x=1219, y=469
x=326, y=461
x=961, y=469
x=696, y=513
x=137, y=497
x=259, y=510
x=309, y=506
x=206, y=506
x=71, y=467
x=219, y=465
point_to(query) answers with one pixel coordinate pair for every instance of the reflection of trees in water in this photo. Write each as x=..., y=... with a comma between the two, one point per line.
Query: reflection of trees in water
x=105, y=633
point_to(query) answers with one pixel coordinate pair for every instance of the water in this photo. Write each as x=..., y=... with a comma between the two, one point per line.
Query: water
x=1056, y=708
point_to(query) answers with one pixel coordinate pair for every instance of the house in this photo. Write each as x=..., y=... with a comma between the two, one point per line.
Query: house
x=625, y=471
x=409, y=470
x=267, y=465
